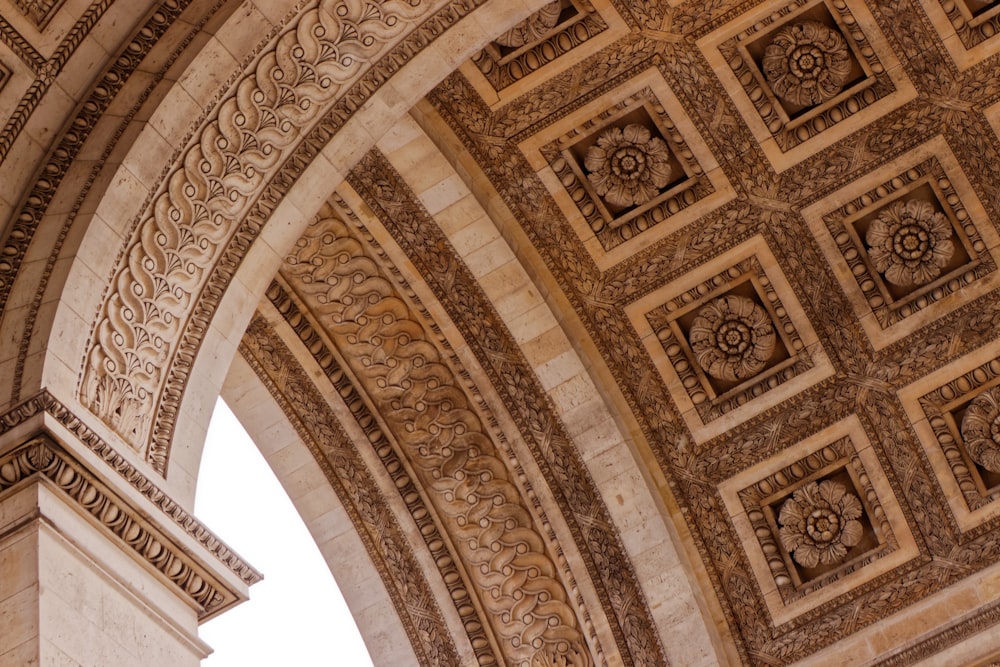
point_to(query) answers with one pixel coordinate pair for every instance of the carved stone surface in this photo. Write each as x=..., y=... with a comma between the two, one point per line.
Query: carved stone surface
x=135, y=529
x=444, y=441
x=732, y=338
x=532, y=28
x=627, y=166
x=39, y=11
x=910, y=242
x=855, y=217
x=807, y=63
x=190, y=224
x=819, y=523
x=302, y=403
x=981, y=429
x=535, y=43
x=841, y=161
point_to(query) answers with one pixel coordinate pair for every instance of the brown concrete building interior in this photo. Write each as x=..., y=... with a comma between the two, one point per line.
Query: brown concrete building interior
x=580, y=332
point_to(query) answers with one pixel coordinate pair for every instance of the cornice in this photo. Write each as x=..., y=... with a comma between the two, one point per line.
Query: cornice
x=144, y=530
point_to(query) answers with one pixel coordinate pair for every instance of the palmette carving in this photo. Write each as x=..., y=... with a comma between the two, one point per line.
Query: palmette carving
x=167, y=263
x=445, y=442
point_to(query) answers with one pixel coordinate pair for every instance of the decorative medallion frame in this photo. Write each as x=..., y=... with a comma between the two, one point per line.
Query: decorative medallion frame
x=664, y=318
x=789, y=133
x=557, y=155
x=840, y=452
x=936, y=405
x=931, y=173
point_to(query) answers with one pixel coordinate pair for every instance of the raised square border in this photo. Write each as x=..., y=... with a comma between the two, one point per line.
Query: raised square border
x=962, y=34
x=616, y=28
x=879, y=336
x=967, y=375
x=906, y=549
x=653, y=80
x=834, y=130
x=754, y=247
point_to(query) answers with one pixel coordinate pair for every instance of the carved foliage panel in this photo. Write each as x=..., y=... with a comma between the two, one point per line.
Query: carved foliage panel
x=178, y=240
x=286, y=380
x=444, y=442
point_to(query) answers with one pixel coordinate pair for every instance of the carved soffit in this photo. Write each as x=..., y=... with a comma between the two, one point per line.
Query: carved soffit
x=825, y=332
x=300, y=91
x=451, y=452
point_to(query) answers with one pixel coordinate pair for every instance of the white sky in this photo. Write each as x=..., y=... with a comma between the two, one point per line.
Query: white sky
x=296, y=617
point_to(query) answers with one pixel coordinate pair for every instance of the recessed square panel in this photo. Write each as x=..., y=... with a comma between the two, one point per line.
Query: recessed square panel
x=806, y=73
x=818, y=521
x=730, y=339
x=968, y=28
x=537, y=47
x=956, y=414
x=911, y=240
x=624, y=171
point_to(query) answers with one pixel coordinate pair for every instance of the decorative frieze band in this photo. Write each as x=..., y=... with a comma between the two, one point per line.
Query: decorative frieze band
x=448, y=449
x=188, y=227
x=166, y=554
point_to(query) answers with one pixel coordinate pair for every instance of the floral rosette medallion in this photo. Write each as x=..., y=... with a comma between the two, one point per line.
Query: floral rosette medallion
x=732, y=338
x=981, y=429
x=628, y=166
x=807, y=63
x=819, y=523
x=910, y=242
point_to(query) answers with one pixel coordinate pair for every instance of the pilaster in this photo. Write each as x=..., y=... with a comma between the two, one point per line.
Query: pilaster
x=98, y=565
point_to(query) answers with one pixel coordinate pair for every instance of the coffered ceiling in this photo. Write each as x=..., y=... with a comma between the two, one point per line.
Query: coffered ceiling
x=655, y=333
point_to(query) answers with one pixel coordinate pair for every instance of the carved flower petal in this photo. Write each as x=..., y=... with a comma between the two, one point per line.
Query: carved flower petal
x=806, y=555
x=637, y=134
x=851, y=533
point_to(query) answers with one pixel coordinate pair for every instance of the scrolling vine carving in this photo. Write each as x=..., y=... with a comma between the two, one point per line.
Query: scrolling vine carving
x=189, y=224
x=445, y=442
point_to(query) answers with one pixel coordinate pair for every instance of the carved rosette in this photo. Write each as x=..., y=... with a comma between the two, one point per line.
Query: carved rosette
x=819, y=523
x=628, y=166
x=981, y=429
x=732, y=338
x=807, y=63
x=533, y=28
x=910, y=242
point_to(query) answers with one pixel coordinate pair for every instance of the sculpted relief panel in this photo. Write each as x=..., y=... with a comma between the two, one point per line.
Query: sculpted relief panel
x=190, y=223
x=810, y=361
x=445, y=444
